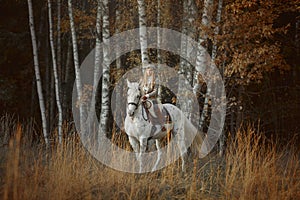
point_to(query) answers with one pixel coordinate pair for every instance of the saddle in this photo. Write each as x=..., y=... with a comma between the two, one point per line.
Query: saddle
x=158, y=115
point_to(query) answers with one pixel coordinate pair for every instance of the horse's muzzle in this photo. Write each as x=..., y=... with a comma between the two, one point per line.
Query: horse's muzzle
x=130, y=113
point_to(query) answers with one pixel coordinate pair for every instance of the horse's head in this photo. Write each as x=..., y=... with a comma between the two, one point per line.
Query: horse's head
x=133, y=97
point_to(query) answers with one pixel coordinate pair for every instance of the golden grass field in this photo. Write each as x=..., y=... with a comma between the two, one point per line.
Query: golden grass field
x=252, y=168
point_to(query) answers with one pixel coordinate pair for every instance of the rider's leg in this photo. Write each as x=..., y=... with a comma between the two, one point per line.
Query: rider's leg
x=161, y=117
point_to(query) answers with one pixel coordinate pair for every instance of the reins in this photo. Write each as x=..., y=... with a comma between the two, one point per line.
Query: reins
x=143, y=112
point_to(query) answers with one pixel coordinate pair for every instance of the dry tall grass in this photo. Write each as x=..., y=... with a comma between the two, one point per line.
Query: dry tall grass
x=251, y=169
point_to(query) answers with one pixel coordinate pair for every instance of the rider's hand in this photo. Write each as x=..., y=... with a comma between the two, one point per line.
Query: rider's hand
x=144, y=98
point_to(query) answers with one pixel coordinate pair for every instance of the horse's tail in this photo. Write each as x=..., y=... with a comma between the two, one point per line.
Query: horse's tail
x=190, y=132
x=195, y=147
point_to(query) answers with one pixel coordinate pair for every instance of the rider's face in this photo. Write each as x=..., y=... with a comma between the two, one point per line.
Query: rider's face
x=149, y=71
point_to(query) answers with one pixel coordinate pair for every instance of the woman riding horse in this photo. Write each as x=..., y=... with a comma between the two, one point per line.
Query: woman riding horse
x=150, y=93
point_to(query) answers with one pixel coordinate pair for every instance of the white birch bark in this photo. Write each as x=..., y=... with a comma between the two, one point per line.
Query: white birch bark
x=76, y=64
x=217, y=29
x=183, y=45
x=143, y=32
x=189, y=14
x=105, y=98
x=37, y=72
x=98, y=52
x=202, y=61
x=55, y=72
x=213, y=57
x=97, y=48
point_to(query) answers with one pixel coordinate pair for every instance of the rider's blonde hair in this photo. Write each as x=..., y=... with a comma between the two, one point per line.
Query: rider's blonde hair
x=152, y=78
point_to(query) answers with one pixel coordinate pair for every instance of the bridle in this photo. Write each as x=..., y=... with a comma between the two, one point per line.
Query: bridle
x=143, y=108
x=133, y=103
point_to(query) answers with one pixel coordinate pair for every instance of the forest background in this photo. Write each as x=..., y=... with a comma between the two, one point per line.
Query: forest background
x=257, y=53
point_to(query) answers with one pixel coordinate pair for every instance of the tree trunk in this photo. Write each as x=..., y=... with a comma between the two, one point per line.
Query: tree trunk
x=186, y=70
x=76, y=65
x=105, y=98
x=217, y=30
x=202, y=60
x=213, y=57
x=37, y=72
x=55, y=73
x=97, y=48
x=118, y=24
x=143, y=32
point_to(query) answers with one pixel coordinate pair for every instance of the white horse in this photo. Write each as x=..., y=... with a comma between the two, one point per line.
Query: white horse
x=139, y=128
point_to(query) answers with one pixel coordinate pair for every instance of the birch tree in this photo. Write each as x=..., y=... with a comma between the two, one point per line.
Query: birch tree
x=202, y=60
x=217, y=29
x=213, y=57
x=98, y=49
x=76, y=64
x=105, y=98
x=37, y=72
x=185, y=69
x=54, y=63
x=143, y=32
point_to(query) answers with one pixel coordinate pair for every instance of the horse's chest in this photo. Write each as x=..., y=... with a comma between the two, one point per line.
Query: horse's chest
x=142, y=127
x=138, y=128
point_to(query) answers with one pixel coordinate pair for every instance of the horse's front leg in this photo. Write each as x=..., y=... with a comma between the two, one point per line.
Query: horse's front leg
x=135, y=145
x=143, y=147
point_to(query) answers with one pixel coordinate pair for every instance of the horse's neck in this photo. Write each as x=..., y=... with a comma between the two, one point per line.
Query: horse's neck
x=138, y=113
